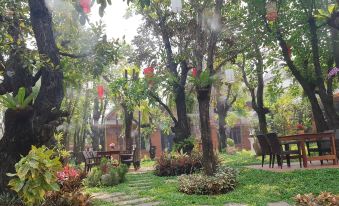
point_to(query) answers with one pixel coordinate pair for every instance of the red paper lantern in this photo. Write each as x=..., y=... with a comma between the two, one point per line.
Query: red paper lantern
x=149, y=72
x=85, y=5
x=100, y=90
x=194, y=72
x=272, y=16
x=289, y=51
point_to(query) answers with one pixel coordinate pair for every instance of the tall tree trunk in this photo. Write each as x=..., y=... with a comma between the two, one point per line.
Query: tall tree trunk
x=34, y=125
x=209, y=159
x=221, y=111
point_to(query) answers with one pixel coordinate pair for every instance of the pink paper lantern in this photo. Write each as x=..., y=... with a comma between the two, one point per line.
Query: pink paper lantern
x=149, y=72
x=194, y=72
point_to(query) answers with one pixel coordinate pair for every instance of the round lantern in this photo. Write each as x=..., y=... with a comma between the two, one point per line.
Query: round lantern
x=229, y=76
x=85, y=5
x=149, y=72
x=100, y=90
x=176, y=6
x=194, y=72
x=271, y=11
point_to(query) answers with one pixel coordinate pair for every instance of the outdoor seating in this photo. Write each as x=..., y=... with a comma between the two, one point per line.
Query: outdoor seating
x=91, y=160
x=129, y=158
x=265, y=148
x=281, y=154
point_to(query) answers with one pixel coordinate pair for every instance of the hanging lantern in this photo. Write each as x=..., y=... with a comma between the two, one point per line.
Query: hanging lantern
x=271, y=11
x=229, y=76
x=289, y=51
x=194, y=72
x=176, y=6
x=100, y=90
x=149, y=72
x=85, y=5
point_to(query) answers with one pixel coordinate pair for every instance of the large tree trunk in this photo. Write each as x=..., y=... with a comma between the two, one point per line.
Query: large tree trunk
x=34, y=125
x=209, y=159
x=221, y=111
x=181, y=129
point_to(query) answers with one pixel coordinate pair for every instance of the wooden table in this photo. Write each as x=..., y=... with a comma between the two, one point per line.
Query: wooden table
x=109, y=154
x=303, y=138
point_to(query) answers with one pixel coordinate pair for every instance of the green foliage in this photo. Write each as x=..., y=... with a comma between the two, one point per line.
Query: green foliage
x=93, y=178
x=223, y=181
x=59, y=147
x=35, y=175
x=186, y=143
x=203, y=80
x=177, y=163
x=230, y=142
x=19, y=101
x=7, y=199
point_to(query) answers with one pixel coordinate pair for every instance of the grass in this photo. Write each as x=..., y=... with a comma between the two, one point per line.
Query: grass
x=256, y=187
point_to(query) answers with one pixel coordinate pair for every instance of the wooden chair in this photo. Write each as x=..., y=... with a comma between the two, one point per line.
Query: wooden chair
x=277, y=150
x=130, y=158
x=265, y=148
x=91, y=160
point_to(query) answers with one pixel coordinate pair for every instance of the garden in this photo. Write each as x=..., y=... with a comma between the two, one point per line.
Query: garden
x=169, y=102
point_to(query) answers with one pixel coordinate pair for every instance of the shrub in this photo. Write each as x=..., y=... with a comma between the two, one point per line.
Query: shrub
x=223, y=181
x=70, y=194
x=122, y=171
x=324, y=199
x=230, y=142
x=93, y=178
x=36, y=175
x=178, y=164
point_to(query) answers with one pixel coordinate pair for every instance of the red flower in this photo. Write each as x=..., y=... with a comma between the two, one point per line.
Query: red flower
x=272, y=16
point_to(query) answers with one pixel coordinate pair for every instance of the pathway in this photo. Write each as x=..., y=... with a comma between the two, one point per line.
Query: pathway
x=122, y=199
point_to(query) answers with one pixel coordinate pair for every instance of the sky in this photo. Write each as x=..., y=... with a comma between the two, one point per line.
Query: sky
x=116, y=24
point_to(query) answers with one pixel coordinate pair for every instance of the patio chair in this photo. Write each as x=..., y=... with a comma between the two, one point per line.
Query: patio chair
x=130, y=158
x=281, y=154
x=91, y=160
x=265, y=148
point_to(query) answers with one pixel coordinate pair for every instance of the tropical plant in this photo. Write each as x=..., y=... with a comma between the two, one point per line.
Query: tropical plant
x=36, y=175
x=19, y=101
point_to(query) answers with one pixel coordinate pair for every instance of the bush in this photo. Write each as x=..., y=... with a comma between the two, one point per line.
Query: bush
x=178, y=164
x=36, y=175
x=223, y=181
x=93, y=178
x=70, y=194
x=324, y=199
x=230, y=142
x=107, y=174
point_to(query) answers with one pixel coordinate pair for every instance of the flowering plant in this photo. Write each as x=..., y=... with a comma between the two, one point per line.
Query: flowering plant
x=67, y=173
x=112, y=145
x=300, y=127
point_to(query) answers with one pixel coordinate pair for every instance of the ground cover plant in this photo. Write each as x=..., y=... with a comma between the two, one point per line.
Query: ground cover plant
x=255, y=187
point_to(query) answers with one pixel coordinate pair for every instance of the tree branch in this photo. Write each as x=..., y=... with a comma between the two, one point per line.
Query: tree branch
x=75, y=56
x=156, y=98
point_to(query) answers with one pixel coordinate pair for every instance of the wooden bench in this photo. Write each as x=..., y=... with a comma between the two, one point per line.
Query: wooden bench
x=91, y=160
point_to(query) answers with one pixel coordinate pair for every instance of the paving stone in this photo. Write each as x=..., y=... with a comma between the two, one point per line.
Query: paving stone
x=122, y=198
x=278, y=204
x=149, y=204
x=133, y=201
x=234, y=204
x=139, y=185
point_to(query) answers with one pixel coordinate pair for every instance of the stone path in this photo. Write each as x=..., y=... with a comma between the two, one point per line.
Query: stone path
x=136, y=184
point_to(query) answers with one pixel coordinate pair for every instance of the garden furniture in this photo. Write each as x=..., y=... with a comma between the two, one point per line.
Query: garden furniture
x=109, y=154
x=91, y=160
x=281, y=154
x=265, y=148
x=303, y=138
x=129, y=158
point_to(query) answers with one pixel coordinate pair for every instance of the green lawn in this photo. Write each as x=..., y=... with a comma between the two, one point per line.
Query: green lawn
x=255, y=187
